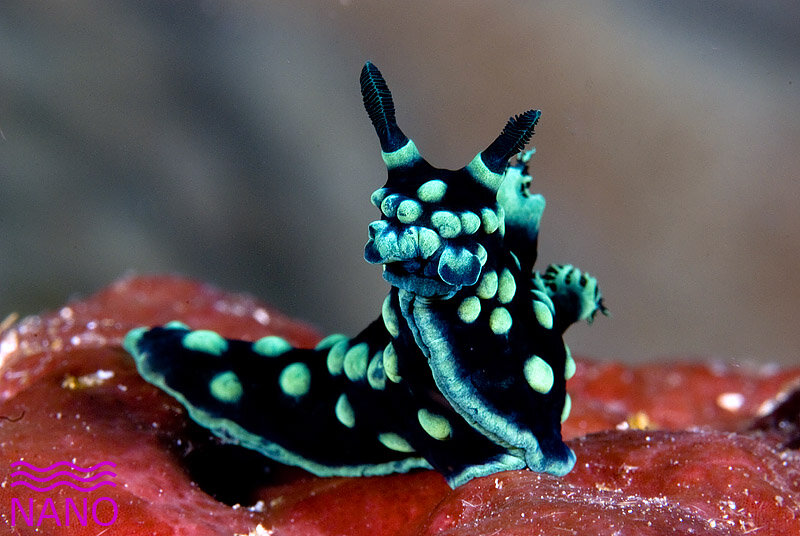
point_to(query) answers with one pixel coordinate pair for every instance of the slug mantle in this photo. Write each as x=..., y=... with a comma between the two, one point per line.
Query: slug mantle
x=464, y=371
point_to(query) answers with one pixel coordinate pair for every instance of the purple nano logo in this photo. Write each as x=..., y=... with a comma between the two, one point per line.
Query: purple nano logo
x=44, y=479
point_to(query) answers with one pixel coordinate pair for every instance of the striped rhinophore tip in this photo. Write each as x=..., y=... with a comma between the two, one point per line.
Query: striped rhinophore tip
x=516, y=134
x=380, y=108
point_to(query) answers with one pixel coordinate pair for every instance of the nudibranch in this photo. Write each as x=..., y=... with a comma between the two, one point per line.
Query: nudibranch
x=465, y=369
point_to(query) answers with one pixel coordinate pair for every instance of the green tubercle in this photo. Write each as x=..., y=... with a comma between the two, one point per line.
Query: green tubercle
x=543, y=314
x=447, y=224
x=207, y=341
x=507, y=286
x=390, y=364
x=393, y=441
x=470, y=309
x=226, y=387
x=567, y=407
x=500, y=321
x=330, y=340
x=432, y=191
x=271, y=346
x=344, y=411
x=487, y=288
x=295, y=380
x=335, y=359
x=375, y=373
x=538, y=374
x=355, y=362
x=434, y=425
x=569, y=365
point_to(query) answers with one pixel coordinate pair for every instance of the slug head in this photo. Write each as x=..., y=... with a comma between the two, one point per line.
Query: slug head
x=439, y=227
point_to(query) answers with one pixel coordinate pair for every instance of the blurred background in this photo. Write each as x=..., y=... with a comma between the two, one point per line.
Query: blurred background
x=227, y=141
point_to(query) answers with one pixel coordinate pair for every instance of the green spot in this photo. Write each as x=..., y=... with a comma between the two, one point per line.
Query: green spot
x=389, y=205
x=344, y=412
x=390, y=317
x=569, y=366
x=295, y=379
x=176, y=324
x=501, y=219
x=375, y=374
x=407, y=243
x=538, y=374
x=487, y=288
x=271, y=346
x=500, y=321
x=567, y=407
x=480, y=252
x=226, y=387
x=404, y=156
x=489, y=220
x=355, y=362
x=378, y=196
x=329, y=341
x=434, y=425
x=390, y=365
x=469, y=309
x=446, y=223
x=432, y=191
x=507, y=286
x=544, y=298
x=335, y=359
x=483, y=174
x=470, y=222
x=204, y=340
x=429, y=242
x=543, y=314
x=395, y=442
x=408, y=211
x=457, y=266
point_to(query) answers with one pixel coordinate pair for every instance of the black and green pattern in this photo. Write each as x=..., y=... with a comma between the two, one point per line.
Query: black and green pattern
x=465, y=369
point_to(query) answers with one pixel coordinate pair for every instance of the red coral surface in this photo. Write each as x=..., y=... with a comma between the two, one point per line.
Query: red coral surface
x=662, y=449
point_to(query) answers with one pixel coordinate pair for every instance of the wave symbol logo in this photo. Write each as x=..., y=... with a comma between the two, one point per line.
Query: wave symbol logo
x=43, y=480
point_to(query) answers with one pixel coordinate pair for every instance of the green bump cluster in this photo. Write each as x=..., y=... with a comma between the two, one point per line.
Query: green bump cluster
x=226, y=387
x=295, y=380
x=204, y=340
